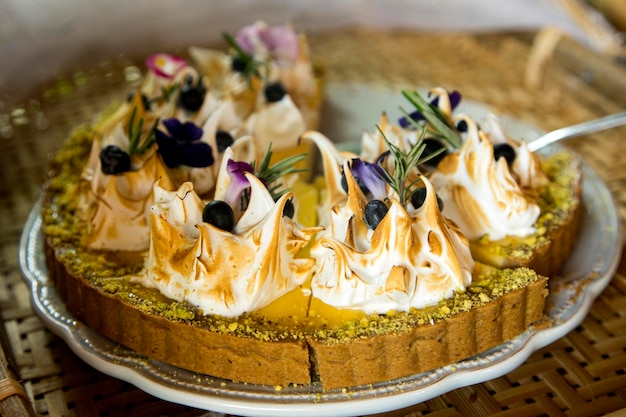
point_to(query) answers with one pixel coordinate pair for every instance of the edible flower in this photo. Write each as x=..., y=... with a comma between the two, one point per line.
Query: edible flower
x=269, y=175
x=165, y=65
x=279, y=43
x=181, y=145
x=238, y=181
x=373, y=176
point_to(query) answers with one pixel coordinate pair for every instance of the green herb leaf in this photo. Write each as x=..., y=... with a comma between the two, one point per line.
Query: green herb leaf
x=271, y=174
x=252, y=66
x=137, y=145
x=403, y=164
x=437, y=120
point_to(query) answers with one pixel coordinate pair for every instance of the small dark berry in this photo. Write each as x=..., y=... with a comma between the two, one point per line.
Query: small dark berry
x=238, y=64
x=504, y=150
x=192, y=96
x=289, y=210
x=362, y=186
x=418, y=197
x=274, y=92
x=375, y=210
x=219, y=214
x=223, y=140
x=432, y=146
x=461, y=126
x=114, y=161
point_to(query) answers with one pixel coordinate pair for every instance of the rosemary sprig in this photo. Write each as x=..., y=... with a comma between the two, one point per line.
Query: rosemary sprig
x=433, y=116
x=271, y=174
x=135, y=143
x=251, y=66
x=403, y=164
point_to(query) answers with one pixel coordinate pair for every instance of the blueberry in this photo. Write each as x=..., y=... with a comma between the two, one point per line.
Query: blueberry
x=461, y=126
x=289, y=210
x=432, y=146
x=375, y=210
x=418, y=197
x=192, y=96
x=274, y=92
x=219, y=214
x=504, y=150
x=114, y=161
x=223, y=140
x=238, y=64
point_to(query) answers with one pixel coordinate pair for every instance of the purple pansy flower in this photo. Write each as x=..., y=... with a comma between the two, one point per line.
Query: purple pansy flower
x=277, y=42
x=181, y=145
x=238, y=180
x=454, y=97
x=165, y=65
x=370, y=175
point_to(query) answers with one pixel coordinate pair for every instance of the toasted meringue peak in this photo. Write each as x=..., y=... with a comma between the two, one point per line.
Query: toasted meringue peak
x=373, y=145
x=443, y=101
x=218, y=271
x=413, y=259
x=480, y=194
x=278, y=124
x=116, y=207
x=526, y=167
x=332, y=162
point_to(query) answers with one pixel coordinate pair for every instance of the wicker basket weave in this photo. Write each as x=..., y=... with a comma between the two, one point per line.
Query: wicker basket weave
x=582, y=374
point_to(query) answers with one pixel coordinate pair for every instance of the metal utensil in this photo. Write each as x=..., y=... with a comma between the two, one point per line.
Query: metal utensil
x=606, y=122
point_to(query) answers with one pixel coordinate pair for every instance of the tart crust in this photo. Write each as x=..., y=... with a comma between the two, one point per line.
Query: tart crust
x=183, y=343
x=354, y=354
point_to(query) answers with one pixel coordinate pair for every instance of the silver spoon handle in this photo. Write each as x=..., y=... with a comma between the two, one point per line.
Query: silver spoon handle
x=606, y=122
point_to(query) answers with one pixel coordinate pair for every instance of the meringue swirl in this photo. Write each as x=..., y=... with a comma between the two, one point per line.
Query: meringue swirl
x=413, y=259
x=481, y=194
x=221, y=272
x=116, y=208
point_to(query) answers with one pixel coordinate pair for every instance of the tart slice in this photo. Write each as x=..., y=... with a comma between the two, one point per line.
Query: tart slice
x=517, y=208
x=395, y=291
x=511, y=222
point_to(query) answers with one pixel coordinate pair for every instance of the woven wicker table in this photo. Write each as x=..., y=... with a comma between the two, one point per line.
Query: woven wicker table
x=582, y=374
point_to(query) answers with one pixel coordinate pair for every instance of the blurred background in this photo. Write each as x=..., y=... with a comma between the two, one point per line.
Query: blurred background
x=39, y=39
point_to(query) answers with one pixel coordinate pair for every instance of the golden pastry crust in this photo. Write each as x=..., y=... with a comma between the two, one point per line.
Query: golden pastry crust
x=429, y=346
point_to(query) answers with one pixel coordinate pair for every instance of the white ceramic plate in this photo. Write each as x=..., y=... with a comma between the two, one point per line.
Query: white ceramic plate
x=355, y=108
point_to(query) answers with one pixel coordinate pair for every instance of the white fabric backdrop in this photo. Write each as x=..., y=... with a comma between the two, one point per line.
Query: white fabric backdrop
x=39, y=38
